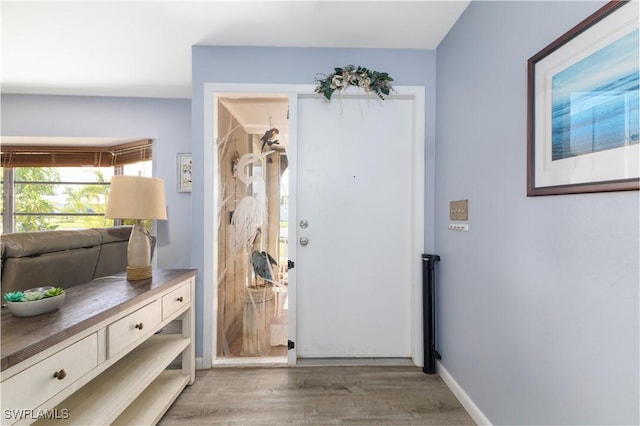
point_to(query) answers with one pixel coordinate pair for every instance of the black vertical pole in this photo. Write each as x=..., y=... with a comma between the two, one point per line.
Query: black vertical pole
x=429, y=312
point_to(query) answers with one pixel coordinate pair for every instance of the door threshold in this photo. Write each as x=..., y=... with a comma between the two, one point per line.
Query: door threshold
x=321, y=362
x=265, y=361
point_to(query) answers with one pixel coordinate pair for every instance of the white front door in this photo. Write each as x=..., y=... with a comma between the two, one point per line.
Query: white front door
x=356, y=211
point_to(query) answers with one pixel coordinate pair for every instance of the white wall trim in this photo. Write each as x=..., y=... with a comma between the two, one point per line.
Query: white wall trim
x=466, y=401
x=418, y=217
x=210, y=268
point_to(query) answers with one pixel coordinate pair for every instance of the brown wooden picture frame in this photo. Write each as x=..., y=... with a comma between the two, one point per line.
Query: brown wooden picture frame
x=558, y=123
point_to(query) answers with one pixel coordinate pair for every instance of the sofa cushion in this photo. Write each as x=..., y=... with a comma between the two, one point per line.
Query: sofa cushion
x=62, y=257
x=63, y=268
x=24, y=244
x=114, y=234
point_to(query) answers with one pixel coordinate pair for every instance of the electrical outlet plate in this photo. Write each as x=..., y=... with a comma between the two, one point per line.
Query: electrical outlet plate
x=459, y=227
x=459, y=210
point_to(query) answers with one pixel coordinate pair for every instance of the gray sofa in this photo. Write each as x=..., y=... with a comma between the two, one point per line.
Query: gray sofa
x=62, y=258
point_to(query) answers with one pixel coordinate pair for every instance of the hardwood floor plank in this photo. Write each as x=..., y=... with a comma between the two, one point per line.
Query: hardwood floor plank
x=354, y=395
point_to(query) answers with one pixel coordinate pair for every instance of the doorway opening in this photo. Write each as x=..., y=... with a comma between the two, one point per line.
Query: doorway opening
x=252, y=224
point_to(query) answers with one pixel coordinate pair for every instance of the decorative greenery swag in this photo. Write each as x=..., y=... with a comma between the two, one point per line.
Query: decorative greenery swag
x=370, y=81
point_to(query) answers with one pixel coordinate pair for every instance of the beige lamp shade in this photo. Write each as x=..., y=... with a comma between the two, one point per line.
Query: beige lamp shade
x=136, y=197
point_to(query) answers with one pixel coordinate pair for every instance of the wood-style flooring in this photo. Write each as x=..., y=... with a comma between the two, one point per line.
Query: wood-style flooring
x=327, y=395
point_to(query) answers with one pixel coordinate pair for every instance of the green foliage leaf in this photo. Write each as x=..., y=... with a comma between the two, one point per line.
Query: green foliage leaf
x=30, y=198
x=15, y=296
x=52, y=292
x=30, y=296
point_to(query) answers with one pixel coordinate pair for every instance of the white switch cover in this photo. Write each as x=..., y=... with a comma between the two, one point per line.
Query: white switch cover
x=459, y=227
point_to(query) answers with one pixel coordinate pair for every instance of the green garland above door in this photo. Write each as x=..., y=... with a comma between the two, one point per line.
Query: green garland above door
x=370, y=81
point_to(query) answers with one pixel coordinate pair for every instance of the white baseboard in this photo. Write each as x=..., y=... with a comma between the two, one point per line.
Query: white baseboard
x=468, y=404
x=199, y=363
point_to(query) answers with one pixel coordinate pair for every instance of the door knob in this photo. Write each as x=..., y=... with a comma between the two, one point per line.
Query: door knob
x=304, y=241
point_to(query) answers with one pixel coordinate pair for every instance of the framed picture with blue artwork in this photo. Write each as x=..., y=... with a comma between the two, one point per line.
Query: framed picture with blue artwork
x=583, y=107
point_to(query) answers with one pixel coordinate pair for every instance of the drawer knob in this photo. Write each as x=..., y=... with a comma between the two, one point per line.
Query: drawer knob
x=179, y=299
x=60, y=374
x=139, y=326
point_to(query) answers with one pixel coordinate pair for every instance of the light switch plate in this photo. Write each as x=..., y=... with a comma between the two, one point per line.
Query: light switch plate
x=459, y=210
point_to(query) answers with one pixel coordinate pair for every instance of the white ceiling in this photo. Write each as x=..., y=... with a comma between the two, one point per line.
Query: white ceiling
x=143, y=48
x=257, y=114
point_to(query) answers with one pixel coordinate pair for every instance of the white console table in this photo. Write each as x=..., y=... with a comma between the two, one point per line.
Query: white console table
x=101, y=358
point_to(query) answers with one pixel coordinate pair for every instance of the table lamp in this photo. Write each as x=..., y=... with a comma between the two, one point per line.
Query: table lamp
x=138, y=198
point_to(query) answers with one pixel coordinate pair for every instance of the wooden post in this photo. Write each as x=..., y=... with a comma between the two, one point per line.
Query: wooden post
x=256, y=324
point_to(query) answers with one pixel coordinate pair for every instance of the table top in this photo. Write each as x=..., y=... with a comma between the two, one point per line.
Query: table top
x=85, y=305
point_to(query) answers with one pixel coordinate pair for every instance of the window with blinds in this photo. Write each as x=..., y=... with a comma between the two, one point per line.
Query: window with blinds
x=64, y=187
x=75, y=156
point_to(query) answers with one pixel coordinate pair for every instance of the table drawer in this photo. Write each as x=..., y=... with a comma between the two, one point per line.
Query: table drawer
x=38, y=383
x=176, y=299
x=133, y=328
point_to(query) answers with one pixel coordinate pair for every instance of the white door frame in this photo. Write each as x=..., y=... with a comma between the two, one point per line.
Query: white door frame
x=211, y=205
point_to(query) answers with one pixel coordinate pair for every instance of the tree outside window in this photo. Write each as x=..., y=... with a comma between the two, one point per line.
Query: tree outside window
x=47, y=198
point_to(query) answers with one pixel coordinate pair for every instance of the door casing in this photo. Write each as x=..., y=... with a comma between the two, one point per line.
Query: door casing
x=211, y=204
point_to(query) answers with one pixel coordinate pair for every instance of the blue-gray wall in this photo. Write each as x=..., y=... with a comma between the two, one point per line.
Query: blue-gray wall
x=538, y=302
x=166, y=121
x=272, y=65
